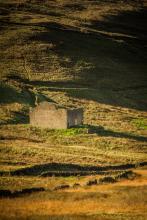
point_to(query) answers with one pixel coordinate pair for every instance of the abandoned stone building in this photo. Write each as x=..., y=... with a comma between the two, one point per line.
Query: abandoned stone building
x=50, y=115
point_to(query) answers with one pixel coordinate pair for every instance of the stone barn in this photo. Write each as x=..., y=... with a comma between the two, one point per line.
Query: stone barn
x=50, y=115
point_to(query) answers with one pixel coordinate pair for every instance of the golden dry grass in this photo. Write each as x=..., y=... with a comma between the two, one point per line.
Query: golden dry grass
x=94, y=200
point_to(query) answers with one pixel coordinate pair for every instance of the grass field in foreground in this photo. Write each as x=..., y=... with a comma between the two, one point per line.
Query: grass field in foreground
x=125, y=199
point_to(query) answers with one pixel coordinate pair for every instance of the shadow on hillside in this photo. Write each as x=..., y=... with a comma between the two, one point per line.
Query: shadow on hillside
x=21, y=117
x=131, y=24
x=128, y=26
x=97, y=61
x=102, y=66
x=63, y=169
x=10, y=194
x=101, y=131
x=26, y=97
x=9, y=94
x=58, y=85
x=128, y=96
x=125, y=22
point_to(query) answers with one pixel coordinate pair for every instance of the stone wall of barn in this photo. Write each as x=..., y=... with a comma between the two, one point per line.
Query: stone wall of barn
x=48, y=116
x=74, y=117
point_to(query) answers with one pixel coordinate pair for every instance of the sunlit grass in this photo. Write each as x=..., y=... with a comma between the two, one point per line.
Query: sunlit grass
x=140, y=123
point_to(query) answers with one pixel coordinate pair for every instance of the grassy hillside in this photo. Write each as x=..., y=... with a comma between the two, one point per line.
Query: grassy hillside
x=90, y=54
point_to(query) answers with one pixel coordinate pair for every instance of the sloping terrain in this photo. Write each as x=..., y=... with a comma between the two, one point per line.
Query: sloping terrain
x=90, y=54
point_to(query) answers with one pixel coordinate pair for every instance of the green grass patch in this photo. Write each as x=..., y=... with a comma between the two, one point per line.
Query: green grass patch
x=140, y=123
x=44, y=133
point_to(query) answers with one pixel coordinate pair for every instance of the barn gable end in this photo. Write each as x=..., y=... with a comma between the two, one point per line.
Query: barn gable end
x=49, y=115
